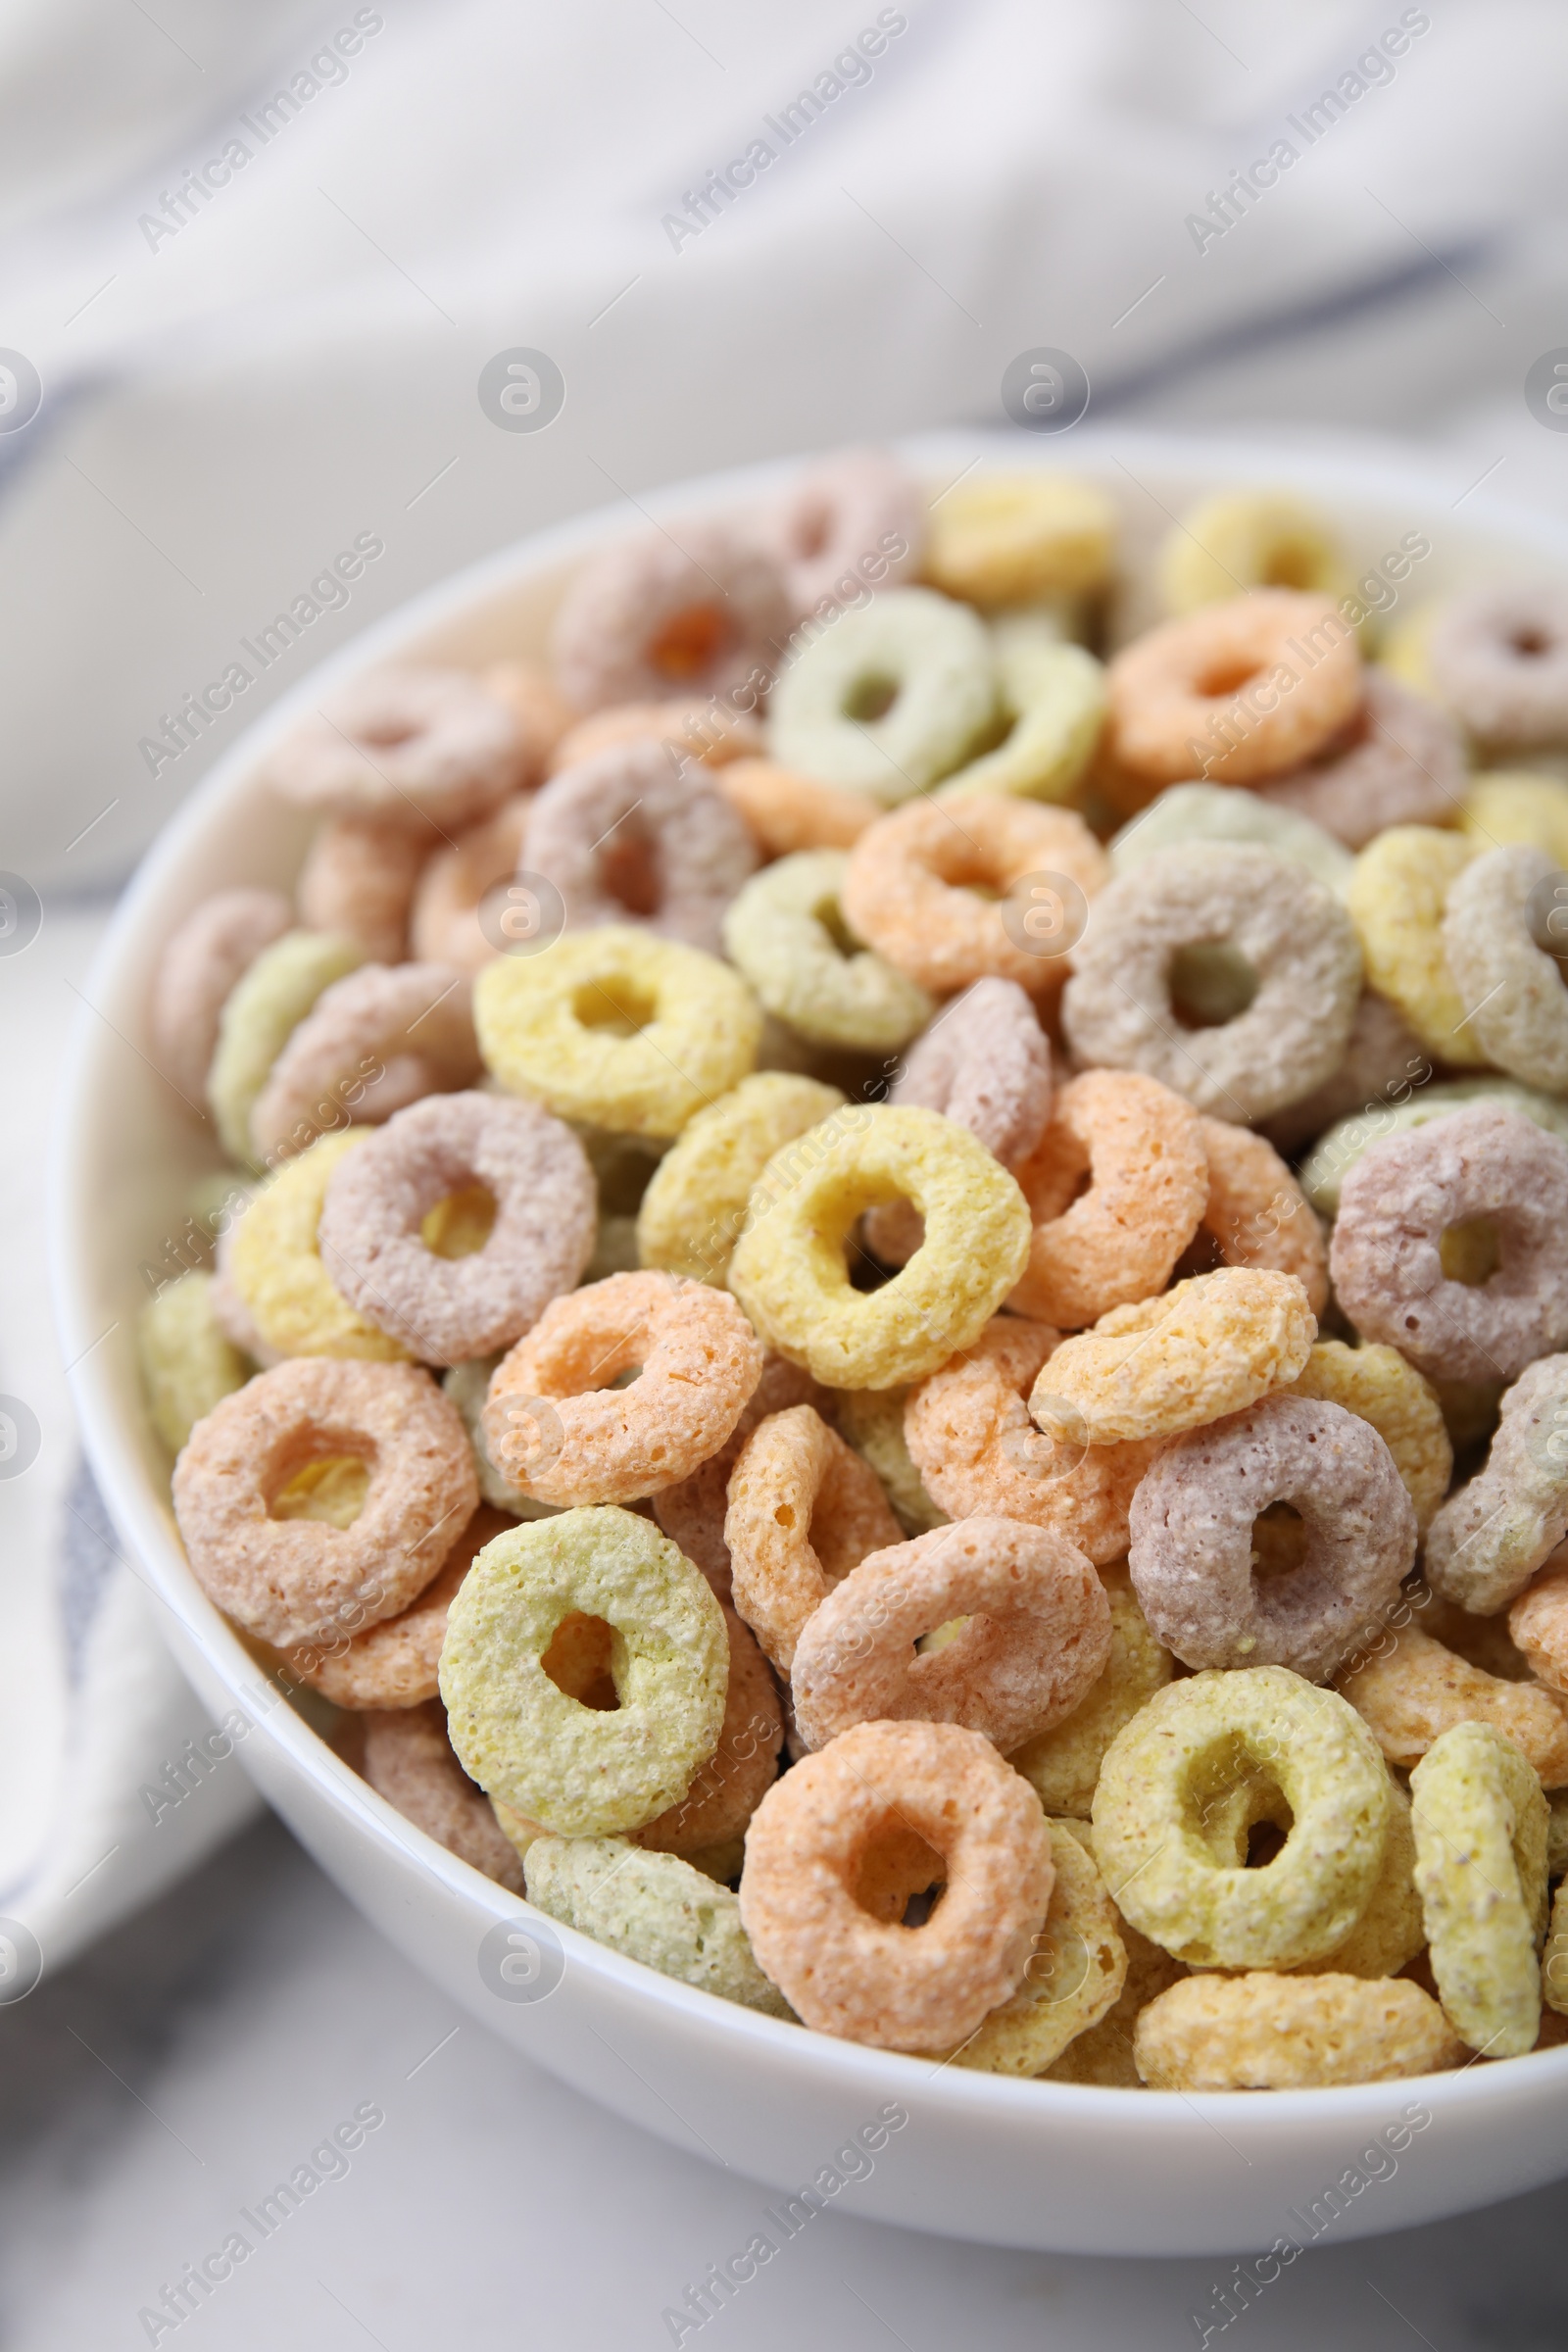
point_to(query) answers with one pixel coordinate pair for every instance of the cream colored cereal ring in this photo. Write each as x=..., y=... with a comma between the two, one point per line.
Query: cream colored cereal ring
x=854, y=519
x=201, y=964
x=1241, y=539
x=1003, y=539
x=1479, y=1824
x=395, y=1664
x=887, y=701
x=370, y=1045
x=581, y=1771
x=261, y=1013
x=1056, y=697
x=1188, y=813
x=1072, y=1977
x=804, y=1510
x=1410, y=1690
x=1265, y=2032
x=783, y=931
x=1199, y=1765
x=695, y=1204
x=1505, y=807
x=1212, y=1346
x=872, y=1421
x=1323, y=1171
x=359, y=879
x=1062, y=1764
x=653, y=1908
x=444, y=924
x=1490, y=1536
x=1520, y=1015
x=188, y=1363
x=1396, y=897
x=408, y=1760
x=786, y=810
x=274, y=1261
x=1383, y=1388
x=1257, y=1213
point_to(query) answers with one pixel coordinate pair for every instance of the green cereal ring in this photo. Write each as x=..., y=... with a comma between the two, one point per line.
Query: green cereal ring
x=1334, y=1154
x=1221, y=812
x=695, y=1203
x=889, y=699
x=275, y=1264
x=187, y=1363
x=1554, y=1959
x=1072, y=1977
x=784, y=931
x=1064, y=1763
x=261, y=1015
x=789, y=1270
x=654, y=1908
x=617, y=1028
x=1056, y=697
x=1391, y=1931
x=1480, y=1868
x=871, y=1422
x=1201, y=1764
x=577, y=1770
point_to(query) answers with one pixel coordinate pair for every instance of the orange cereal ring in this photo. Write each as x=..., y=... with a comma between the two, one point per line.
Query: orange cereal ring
x=210, y=952
x=562, y=1433
x=1539, y=1621
x=835, y=1850
x=359, y=880
x=1234, y=692
x=692, y=1512
x=539, y=713
x=1257, y=1215
x=703, y=731
x=444, y=926
x=394, y=1664
x=1036, y=1635
x=1142, y=1148
x=804, y=1510
x=910, y=889
x=787, y=811
x=1211, y=1345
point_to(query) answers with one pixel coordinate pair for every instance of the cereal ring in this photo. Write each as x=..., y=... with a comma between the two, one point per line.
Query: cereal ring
x=692, y=1512
x=1212, y=1346
x=1396, y=1205
x=1538, y=1622
x=838, y=1845
x=1293, y=934
x=189, y=1364
x=704, y=616
x=287, y=1579
x=273, y=1262
x=685, y=729
x=444, y=925
x=1103, y=2055
x=1521, y=1006
x=1241, y=539
x=1189, y=812
x=1488, y=1539
x=1485, y=1641
x=912, y=884
x=1554, y=1958
x=409, y=1761
x=617, y=1029
x=695, y=1204
x=1218, y=694
x=359, y=880
x=1054, y=695
x=1383, y=1062
x=787, y=1270
x=889, y=699
x=1411, y=1689
x=1256, y=1214
x=625, y=837
x=1072, y=1977
x=654, y=1908
x=1326, y=1166
x=1391, y=1931
x=1142, y=1148
x=394, y=1664
x=539, y=713
x=785, y=810
x=1266, y=2032
x=1005, y=538
x=468, y=1385
x=1036, y=1635
x=698, y=1362
x=1062, y=1764
x=536, y=1184
x=1506, y=808
x=1378, y=1383
x=1396, y=896
x=1193, y=1560
x=203, y=963
x=260, y=1014
x=1499, y=659
x=1399, y=761
x=743, y=1767
x=857, y=516
x=970, y=1435
x=413, y=746
x=582, y=1771
x=804, y=1510
x=872, y=1421
x=787, y=933
x=1197, y=1767
x=1479, y=1824
x=375, y=1042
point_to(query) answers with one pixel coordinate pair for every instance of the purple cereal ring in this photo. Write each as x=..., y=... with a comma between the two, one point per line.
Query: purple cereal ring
x=410, y=745
x=381, y=1039
x=212, y=949
x=1193, y=1555
x=448, y=1309
x=624, y=837
x=1384, y=1063
x=857, y=510
x=1400, y=762
x=358, y=878
x=699, y=610
x=1499, y=659
x=1484, y=1164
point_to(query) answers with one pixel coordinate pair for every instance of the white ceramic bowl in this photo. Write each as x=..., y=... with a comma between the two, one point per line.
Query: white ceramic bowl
x=1016, y=2163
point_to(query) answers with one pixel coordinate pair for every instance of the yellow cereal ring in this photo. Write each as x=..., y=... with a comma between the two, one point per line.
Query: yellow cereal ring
x=695, y=1203
x=618, y=1028
x=1056, y=697
x=1480, y=1868
x=1070, y=1980
x=1212, y=1346
x=1064, y=1763
x=1005, y=538
x=1391, y=1930
x=1396, y=897
x=1277, y=2032
x=1411, y=1689
x=1404, y=650
x=261, y=1012
x=1509, y=807
x=789, y=1271
x=1194, y=1769
x=1554, y=1958
x=787, y=933
x=1378, y=1385
x=654, y=1908
x=1243, y=539
x=871, y=1422
x=582, y=1771
x=187, y=1361
x=275, y=1264
x=1104, y=2054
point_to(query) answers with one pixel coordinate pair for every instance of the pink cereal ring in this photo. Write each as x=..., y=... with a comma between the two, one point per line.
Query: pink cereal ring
x=699, y=608
x=1400, y=761
x=213, y=949
x=854, y=522
x=302, y=1580
x=395, y=1664
x=539, y=713
x=359, y=880
x=1038, y=1635
x=625, y=837
x=687, y=730
x=445, y=925
x=381, y=1039
x=1499, y=659
x=447, y=1310
x=743, y=1767
x=410, y=1762
x=411, y=745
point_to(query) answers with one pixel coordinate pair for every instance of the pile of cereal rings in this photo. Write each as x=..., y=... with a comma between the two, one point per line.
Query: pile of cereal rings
x=888, y=1312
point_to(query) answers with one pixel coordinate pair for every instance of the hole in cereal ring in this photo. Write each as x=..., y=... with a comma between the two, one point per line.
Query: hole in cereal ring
x=1202, y=1255
x=629, y=868
x=940, y=1636
x=460, y=1225
x=870, y=697
x=331, y=1489
x=1470, y=1252
x=616, y=1004
x=1265, y=1840
x=387, y=733
x=1210, y=983
x=901, y=1878
x=578, y=1661
x=1279, y=1541
x=1225, y=676
x=1530, y=643
x=1293, y=564
x=689, y=640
